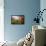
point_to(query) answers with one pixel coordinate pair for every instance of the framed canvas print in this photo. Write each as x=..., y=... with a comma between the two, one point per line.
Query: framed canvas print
x=17, y=19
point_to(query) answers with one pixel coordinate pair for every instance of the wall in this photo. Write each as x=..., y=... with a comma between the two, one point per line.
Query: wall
x=43, y=6
x=19, y=7
x=1, y=20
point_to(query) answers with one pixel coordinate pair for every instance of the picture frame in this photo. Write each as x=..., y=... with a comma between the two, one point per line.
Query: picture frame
x=17, y=19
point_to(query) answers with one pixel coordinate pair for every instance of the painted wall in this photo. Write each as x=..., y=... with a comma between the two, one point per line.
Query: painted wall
x=19, y=7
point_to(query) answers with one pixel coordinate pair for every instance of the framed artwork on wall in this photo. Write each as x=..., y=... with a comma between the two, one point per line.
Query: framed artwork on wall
x=17, y=19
